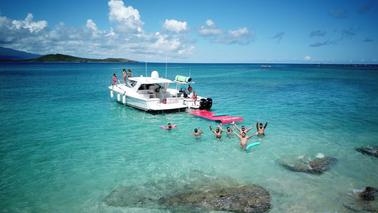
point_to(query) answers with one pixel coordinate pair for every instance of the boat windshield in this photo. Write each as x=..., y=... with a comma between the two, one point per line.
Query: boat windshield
x=151, y=87
x=131, y=83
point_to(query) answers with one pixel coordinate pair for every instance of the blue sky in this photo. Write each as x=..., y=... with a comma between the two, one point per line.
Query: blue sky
x=324, y=31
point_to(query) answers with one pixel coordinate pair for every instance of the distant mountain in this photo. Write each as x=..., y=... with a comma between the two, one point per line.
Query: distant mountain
x=11, y=54
x=69, y=58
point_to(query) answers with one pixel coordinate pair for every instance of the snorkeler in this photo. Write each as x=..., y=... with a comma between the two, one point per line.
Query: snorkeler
x=217, y=132
x=243, y=139
x=197, y=132
x=261, y=128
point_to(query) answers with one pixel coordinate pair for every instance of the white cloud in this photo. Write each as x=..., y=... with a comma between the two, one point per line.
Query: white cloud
x=111, y=33
x=127, y=17
x=164, y=43
x=209, y=23
x=209, y=29
x=175, y=26
x=125, y=37
x=90, y=41
x=239, y=36
x=239, y=32
x=91, y=25
x=307, y=58
x=29, y=24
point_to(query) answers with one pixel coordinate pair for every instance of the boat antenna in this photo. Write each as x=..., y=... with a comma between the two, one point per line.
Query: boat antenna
x=165, y=66
x=145, y=67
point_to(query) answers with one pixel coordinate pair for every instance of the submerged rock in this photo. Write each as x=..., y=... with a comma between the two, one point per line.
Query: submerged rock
x=362, y=200
x=132, y=196
x=251, y=198
x=317, y=165
x=368, y=150
x=368, y=194
x=202, y=193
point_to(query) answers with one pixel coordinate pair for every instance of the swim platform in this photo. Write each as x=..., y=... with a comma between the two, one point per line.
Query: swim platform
x=224, y=119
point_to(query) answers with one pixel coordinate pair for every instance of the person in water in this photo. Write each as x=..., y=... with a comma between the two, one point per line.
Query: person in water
x=261, y=128
x=124, y=74
x=169, y=126
x=114, y=79
x=229, y=131
x=197, y=132
x=242, y=129
x=243, y=139
x=217, y=132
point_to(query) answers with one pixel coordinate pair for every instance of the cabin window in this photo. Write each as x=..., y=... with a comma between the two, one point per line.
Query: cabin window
x=150, y=87
x=145, y=86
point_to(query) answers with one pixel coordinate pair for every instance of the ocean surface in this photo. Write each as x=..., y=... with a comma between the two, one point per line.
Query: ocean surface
x=65, y=145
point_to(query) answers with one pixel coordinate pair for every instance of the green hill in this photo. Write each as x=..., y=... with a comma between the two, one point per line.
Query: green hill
x=69, y=58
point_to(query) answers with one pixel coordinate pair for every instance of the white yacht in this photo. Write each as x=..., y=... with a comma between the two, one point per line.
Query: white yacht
x=153, y=94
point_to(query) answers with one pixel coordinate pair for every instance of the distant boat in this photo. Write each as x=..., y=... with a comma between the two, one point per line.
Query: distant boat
x=153, y=94
x=266, y=66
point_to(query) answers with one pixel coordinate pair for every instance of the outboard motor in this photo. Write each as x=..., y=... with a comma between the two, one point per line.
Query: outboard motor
x=203, y=103
x=209, y=103
x=206, y=103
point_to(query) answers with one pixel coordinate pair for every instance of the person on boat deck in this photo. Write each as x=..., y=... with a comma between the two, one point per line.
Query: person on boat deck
x=194, y=97
x=197, y=132
x=217, y=132
x=243, y=139
x=242, y=129
x=261, y=128
x=190, y=89
x=129, y=73
x=114, y=79
x=124, y=74
x=183, y=91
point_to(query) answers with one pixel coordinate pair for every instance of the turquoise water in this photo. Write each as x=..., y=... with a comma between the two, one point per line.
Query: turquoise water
x=64, y=145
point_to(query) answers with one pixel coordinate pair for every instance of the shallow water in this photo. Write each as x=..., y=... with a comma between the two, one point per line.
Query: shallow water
x=64, y=145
